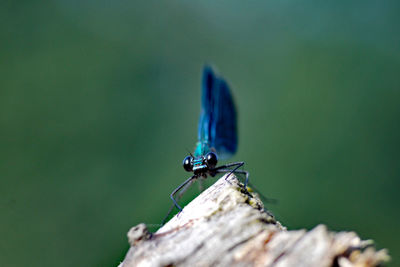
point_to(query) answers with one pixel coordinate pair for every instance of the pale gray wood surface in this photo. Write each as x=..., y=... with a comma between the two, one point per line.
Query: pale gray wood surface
x=224, y=226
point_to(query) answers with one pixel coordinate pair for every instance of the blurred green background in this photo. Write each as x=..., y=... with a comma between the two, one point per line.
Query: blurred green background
x=99, y=102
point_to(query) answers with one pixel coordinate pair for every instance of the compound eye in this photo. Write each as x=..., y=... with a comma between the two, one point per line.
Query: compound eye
x=188, y=163
x=211, y=160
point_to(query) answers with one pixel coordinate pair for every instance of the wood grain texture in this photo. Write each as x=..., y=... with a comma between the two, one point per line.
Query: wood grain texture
x=226, y=226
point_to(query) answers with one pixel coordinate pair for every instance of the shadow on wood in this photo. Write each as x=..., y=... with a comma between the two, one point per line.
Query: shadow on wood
x=226, y=226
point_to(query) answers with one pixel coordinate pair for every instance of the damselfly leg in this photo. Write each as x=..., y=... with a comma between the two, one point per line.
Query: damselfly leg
x=236, y=165
x=224, y=169
x=181, y=189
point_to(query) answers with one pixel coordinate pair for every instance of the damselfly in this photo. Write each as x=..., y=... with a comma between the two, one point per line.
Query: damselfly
x=217, y=135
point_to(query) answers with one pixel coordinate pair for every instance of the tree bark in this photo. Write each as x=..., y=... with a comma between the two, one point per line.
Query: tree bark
x=227, y=226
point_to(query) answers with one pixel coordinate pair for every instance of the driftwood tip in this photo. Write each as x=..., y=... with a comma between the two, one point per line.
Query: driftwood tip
x=227, y=226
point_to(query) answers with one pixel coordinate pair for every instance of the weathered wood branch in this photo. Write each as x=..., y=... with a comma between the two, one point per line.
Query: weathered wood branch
x=225, y=226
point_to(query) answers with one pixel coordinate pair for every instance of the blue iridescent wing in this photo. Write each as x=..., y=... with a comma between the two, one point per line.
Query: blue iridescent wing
x=224, y=129
x=218, y=121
